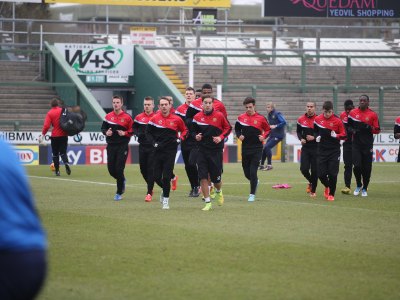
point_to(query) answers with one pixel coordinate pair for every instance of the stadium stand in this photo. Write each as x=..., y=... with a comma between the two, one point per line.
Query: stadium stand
x=163, y=56
x=27, y=104
x=356, y=47
x=286, y=71
x=251, y=71
x=222, y=43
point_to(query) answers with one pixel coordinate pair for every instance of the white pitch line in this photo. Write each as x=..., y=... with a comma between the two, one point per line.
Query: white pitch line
x=81, y=181
x=235, y=196
x=185, y=184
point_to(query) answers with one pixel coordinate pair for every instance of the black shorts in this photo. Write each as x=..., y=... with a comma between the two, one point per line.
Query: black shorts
x=210, y=163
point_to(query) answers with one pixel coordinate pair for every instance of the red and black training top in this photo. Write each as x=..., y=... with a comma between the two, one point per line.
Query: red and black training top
x=139, y=128
x=396, y=128
x=53, y=119
x=190, y=141
x=211, y=125
x=344, y=116
x=122, y=121
x=197, y=106
x=305, y=126
x=251, y=127
x=323, y=127
x=364, y=124
x=163, y=132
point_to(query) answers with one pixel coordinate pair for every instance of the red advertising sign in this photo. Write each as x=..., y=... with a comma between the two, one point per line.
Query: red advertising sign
x=96, y=155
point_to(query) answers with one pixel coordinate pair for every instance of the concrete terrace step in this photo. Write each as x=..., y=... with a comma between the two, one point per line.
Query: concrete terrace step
x=34, y=109
x=6, y=90
x=18, y=65
x=45, y=98
x=23, y=102
x=14, y=77
x=25, y=117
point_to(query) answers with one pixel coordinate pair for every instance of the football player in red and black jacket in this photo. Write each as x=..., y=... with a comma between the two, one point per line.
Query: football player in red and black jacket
x=117, y=127
x=364, y=123
x=396, y=131
x=163, y=131
x=308, y=160
x=188, y=145
x=347, y=146
x=174, y=179
x=211, y=128
x=328, y=130
x=146, y=149
x=196, y=106
x=59, y=138
x=252, y=129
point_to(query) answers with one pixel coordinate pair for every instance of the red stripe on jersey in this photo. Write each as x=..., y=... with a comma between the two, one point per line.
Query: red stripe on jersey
x=344, y=117
x=257, y=121
x=305, y=121
x=171, y=121
x=217, y=105
x=181, y=110
x=143, y=118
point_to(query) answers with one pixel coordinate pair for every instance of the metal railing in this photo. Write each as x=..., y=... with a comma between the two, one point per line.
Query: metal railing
x=302, y=86
x=305, y=60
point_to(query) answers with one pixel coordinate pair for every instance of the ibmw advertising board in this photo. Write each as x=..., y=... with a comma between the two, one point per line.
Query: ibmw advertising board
x=89, y=148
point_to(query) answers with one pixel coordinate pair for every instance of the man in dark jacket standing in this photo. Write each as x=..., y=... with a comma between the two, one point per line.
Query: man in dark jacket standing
x=277, y=123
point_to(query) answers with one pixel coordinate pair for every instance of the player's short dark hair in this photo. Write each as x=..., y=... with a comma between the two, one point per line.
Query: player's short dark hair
x=206, y=86
x=364, y=97
x=149, y=98
x=249, y=100
x=118, y=97
x=328, y=105
x=206, y=96
x=164, y=98
x=348, y=104
x=55, y=102
x=189, y=88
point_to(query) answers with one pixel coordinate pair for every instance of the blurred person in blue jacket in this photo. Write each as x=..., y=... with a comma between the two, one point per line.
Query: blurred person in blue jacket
x=23, y=241
x=277, y=123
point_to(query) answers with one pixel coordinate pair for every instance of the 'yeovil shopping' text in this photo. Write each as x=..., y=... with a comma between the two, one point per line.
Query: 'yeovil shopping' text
x=361, y=13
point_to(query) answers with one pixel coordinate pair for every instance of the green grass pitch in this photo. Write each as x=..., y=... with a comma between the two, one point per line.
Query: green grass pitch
x=283, y=246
